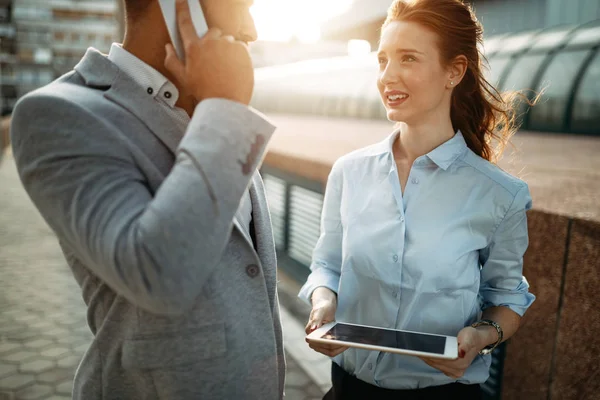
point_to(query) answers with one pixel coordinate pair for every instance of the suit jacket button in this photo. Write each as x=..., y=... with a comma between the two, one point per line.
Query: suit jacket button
x=252, y=270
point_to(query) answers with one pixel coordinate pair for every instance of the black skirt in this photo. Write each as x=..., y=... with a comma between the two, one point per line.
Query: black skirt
x=348, y=387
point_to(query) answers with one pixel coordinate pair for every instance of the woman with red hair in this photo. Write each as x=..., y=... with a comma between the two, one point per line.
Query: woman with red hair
x=423, y=232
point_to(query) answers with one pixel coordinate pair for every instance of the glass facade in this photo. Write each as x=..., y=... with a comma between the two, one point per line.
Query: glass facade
x=557, y=84
x=586, y=108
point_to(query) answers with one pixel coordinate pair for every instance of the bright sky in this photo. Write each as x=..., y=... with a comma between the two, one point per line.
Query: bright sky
x=280, y=20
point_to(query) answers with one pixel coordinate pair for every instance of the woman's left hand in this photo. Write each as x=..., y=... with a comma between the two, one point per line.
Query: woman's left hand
x=470, y=342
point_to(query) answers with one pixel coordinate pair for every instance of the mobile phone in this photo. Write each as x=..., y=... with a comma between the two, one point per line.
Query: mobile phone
x=387, y=340
x=170, y=16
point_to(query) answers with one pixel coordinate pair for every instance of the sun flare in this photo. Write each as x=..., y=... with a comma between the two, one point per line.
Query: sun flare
x=284, y=20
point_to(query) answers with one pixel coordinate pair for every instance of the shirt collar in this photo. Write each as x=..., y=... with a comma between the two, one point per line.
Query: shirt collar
x=152, y=81
x=443, y=155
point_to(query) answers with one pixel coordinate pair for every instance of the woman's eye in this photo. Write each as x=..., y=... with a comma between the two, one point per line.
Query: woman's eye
x=382, y=61
x=409, y=58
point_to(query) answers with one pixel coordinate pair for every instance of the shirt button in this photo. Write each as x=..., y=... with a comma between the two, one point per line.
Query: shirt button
x=415, y=181
x=401, y=219
x=252, y=270
x=150, y=90
x=395, y=258
x=370, y=366
x=168, y=95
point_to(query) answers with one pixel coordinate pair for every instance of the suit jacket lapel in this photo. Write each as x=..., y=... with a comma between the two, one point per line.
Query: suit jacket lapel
x=261, y=219
x=98, y=71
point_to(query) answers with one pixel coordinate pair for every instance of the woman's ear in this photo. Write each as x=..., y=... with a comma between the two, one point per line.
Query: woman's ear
x=456, y=71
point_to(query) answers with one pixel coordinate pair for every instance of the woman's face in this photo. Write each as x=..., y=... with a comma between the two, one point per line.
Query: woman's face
x=412, y=82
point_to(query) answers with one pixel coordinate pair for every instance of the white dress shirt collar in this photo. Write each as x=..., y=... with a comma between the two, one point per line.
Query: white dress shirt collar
x=155, y=83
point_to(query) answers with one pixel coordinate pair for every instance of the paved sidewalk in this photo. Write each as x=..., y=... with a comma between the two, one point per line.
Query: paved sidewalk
x=43, y=330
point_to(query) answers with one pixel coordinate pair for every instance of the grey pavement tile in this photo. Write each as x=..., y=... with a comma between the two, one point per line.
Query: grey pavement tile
x=58, y=397
x=7, y=370
x=6, y=346
x=35, y=392
x=36, y=366
x=26, y=317
x=6, y=330
x=70, y=340
x=56, y=375
x=296, y=378
x=314, y=391
x=83, y=331
x=55, y=352
x=23, y=334
x=16, y=382
x=38, y=343
x=6, y=396
x=294, y=394
x=41, y=325
x=82, y=348
x=57, y=332
x=65, y=388
x=10, y=312
x=18, y=356
x=69, y=361
x=71, y=322
x=57, y=315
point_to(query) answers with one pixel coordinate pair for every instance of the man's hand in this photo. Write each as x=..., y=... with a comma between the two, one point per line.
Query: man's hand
x=324, y=306
x=470, y=342
x=215, y=66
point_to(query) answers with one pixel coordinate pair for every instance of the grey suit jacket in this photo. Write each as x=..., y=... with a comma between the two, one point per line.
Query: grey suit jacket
x=181, y=303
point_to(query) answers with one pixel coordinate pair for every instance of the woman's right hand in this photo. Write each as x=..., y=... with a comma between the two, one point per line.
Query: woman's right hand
x=323, y=311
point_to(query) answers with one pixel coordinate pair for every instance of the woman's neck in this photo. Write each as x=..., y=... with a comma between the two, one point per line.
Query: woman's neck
x=415, y=141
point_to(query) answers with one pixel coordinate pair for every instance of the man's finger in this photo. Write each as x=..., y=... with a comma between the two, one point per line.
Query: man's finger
x=173, y=63
x=187, y=31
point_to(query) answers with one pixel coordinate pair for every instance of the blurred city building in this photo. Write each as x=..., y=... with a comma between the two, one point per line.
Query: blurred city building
x=42, y=40
x=77, y=25
x=8, y=91
x=364, y=18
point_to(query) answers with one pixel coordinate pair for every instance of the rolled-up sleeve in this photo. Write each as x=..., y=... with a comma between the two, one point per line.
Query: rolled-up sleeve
x=502, y=280
x=327, y=255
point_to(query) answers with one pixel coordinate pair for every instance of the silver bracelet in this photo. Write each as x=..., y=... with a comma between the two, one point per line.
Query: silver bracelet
x=491, y=347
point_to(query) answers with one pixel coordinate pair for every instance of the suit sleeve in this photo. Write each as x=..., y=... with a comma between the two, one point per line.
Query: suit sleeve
x=155, y=249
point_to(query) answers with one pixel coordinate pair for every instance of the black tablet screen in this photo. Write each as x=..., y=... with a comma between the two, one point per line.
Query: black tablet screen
x=387, y=338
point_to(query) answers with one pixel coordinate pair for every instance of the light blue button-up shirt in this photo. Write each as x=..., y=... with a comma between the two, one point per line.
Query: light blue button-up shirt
x=429, y=259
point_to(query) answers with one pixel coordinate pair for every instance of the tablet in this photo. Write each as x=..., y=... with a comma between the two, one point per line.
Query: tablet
x=387, y=340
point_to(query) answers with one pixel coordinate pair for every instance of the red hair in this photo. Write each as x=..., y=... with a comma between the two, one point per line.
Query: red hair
x=482, y=114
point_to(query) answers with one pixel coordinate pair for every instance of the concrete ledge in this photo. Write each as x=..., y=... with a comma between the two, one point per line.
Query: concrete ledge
x=563, y=171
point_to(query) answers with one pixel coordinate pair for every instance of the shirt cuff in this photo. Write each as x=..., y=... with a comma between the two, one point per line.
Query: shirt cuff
x=321, y=277
x=518, y=300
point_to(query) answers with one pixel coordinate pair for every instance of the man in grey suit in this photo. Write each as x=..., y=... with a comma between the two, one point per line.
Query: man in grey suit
x=145, y=168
